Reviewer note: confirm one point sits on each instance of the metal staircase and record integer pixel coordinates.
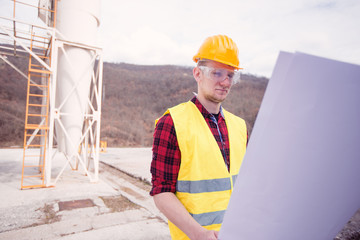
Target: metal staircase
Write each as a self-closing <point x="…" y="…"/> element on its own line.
<point x="37" y="114"/>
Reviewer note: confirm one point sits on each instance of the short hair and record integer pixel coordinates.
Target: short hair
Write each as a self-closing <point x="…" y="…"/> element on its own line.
<point x="202" y="62"/>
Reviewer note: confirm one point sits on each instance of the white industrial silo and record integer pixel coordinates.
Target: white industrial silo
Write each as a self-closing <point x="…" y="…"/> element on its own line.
<point x="64" y="78"/>
<point x="77" y="21"/>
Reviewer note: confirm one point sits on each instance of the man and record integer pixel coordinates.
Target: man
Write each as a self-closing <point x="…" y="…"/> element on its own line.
<point x="199" y="146"/>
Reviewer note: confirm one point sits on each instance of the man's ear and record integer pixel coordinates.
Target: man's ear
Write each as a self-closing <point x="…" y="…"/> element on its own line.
<point x="196" y="74"/>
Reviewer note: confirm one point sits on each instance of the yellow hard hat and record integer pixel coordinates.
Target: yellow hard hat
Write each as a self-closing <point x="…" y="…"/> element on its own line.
<point x="219" y="48"/>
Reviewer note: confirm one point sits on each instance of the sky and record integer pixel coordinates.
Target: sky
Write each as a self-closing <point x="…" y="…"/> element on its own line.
<point x="171" y="31"/>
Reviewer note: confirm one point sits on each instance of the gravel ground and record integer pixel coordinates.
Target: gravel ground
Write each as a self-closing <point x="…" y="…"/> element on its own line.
<point x="19" y="217"/>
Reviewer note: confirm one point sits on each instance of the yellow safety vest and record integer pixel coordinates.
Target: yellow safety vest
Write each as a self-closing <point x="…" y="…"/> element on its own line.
<point x="204" y="184"/>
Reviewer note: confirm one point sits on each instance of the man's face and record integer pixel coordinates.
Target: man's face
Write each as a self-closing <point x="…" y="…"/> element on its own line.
<point x="214" y="81"/>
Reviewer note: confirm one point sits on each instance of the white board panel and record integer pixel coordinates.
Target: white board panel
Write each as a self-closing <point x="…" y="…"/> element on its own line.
<point x="301" y="174"/>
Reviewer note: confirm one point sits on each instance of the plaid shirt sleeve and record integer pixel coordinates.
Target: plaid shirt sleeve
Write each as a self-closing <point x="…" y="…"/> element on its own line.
<point x="166" y="158"/>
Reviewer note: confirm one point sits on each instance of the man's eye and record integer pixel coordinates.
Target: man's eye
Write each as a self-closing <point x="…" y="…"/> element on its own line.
<point x="231" y="75"/>
<point x="217" y="73"/>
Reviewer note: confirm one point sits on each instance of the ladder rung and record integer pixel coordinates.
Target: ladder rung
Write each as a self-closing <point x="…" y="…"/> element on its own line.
<point x="38" y="85"/>
<point x="33" y="186"/>
<point x="37" y="46"/>
<point x="36" y="115"/>
<point x="37" y="135"/>
<point x="36" y="65"/>
<point x="33" y="166"/>
<point x="36" y="75"/>
<point x="34" y="36"/>
<point x="34" y="126"/>
<point x="37" y="40"/>
<point x="36" y="105"/>
<point x="36" y="95"/>
<point x="39" y="71"/>
<point x="32" y="176"/>
<point x="35" y="145"/>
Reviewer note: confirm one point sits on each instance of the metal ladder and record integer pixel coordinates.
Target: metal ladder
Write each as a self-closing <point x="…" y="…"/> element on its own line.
<point x="37" y="114"/>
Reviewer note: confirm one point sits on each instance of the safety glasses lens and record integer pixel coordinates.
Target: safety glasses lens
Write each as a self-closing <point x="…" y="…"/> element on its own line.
<point x="219" y="74"/>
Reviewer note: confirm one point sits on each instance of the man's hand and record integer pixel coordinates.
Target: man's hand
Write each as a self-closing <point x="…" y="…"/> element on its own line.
<point x="205" y="234"/>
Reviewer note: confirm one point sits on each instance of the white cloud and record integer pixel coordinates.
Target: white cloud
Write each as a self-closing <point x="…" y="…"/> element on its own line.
<point x="169" y="32"/>
<point x="146" y="46"/>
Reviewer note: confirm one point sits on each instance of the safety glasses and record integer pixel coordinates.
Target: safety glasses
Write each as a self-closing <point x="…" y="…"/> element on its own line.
<point x="220" y="74"/>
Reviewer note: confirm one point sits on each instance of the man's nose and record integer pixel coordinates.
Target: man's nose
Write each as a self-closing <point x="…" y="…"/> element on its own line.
<point x="227" y="81"/>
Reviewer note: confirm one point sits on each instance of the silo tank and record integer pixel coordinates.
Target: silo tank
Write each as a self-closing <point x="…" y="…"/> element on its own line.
<point x="77" y="21"/>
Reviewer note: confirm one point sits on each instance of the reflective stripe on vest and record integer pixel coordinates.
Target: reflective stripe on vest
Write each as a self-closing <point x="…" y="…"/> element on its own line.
<point x="209" y="218"/>
<point x="201" y="186"/>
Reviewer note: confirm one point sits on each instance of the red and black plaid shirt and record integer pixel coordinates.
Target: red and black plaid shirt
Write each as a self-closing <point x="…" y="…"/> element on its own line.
<point x="166" y="159"/>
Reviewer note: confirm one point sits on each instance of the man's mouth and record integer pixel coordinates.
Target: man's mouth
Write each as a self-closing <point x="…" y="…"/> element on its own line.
<point x="223" y="90"/>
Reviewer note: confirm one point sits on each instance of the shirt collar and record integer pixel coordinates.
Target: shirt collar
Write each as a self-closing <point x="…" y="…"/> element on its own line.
<point x="203" y="110"/>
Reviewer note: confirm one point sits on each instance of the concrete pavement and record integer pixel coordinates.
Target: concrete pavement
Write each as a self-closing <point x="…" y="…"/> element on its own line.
<point x="135" y="161"/>
<point x="116" y="207"/>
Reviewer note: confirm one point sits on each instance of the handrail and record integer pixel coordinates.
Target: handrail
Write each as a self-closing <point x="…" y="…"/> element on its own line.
<point x="30" y="24"/>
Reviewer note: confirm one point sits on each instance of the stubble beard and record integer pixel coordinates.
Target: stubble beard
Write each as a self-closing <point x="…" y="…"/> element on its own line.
<point x="214" y="99"/>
